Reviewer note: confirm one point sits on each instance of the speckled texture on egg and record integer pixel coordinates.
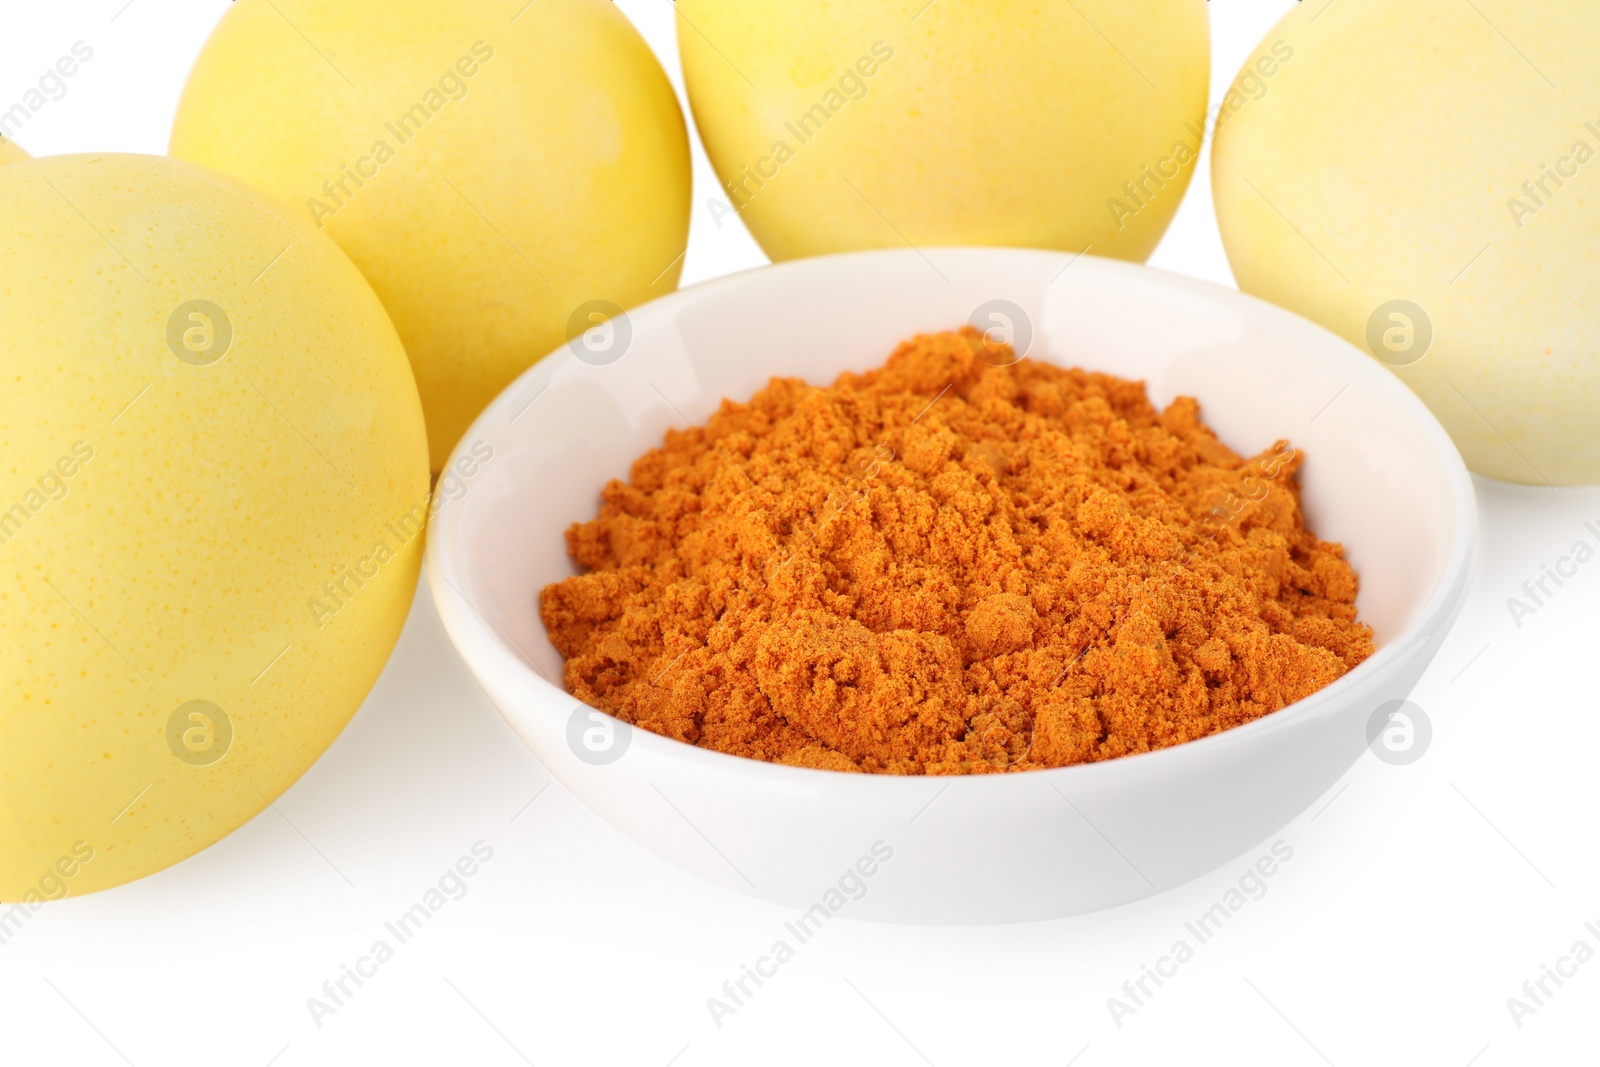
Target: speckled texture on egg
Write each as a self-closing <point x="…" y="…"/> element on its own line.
<point x="205" y="416"/>
<point x="491" y="166"/>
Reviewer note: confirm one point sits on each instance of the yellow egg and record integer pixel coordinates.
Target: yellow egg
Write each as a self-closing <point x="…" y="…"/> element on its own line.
<point x="213" y="478"/>
<point x="10" y="152"/>
<point x="1424" y="179"/>
<point x="888" y="123"/>
<point x="498" y="169"/>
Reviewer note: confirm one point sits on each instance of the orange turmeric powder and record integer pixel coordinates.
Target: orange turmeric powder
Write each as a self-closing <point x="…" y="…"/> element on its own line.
<point x="956" y="563"/>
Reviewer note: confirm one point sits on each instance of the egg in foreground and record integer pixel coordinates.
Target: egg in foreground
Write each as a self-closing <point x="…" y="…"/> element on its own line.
<point x="213" y="483"/>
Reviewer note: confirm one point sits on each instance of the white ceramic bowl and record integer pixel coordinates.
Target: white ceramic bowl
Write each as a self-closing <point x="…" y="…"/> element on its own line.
<point x="1380" y="476"/>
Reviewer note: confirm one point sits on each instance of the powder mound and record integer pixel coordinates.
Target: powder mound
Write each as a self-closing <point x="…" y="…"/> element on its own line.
<point x="1003" y="622"/>
<point x="953" y="564"/>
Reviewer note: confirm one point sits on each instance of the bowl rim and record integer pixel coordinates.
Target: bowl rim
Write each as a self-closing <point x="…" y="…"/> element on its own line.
<point x="477" y="640"/>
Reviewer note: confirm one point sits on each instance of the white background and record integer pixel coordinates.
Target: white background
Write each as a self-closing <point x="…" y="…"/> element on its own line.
<point x="1418" y="898"/>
